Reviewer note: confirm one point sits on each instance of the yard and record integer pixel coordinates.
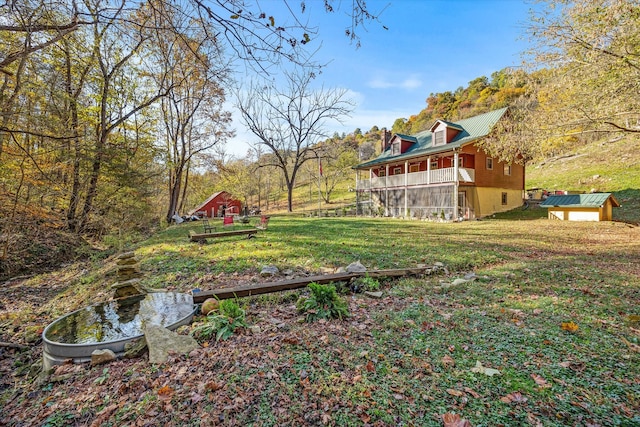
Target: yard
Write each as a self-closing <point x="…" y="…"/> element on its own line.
<point x="547" y="333"/>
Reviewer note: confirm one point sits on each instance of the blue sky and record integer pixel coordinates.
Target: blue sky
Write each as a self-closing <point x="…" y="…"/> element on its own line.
<point x="430" y="46"/>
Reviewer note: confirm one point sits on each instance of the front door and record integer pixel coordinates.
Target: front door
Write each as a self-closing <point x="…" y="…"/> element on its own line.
<point x="463" y="211"/>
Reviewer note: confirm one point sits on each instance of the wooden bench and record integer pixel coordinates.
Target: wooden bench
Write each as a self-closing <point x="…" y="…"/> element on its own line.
<point x="201" y="237"/>
<point x="208" y="228"/>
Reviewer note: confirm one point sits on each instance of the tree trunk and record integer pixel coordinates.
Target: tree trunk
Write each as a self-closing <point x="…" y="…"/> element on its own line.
<point x="74" y="196"/>
<point x="174" y="193"/>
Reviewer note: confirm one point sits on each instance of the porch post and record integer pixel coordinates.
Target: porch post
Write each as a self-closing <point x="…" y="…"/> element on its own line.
<point x="370" y="191"/>
<point x="357" y="198"/>
<point x="406" y="184"/>
<point x="386" y="190"/>
<point x="456" y="183"/>
<point x="428" y="170"/>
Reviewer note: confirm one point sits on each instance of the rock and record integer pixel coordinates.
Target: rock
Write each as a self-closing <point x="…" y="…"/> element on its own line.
<point x="60" y="378"/>
<point x="128" y="270"/>
<point x="127" y="255"/>
<point x="32" y="334"/>
<point x="356" y="267"/>
<point x="209" y="305"/>
<point x="438" y="264"/>
<point x="371" y="294"/>
<point x="459" y="282"/>
<point x="255" y="329"/>
<point x="127" y="261"/>
<point x="470" y="276"/>
<point x="135" y="349"/>
<point x="98" y="357"/>
<point x="128" y="288"/>
<point x="161" y="341"/>
<point x="269" y="270"/>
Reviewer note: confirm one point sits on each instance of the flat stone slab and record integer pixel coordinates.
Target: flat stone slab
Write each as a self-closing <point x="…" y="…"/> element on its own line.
<point x="161" y="341"/>
<point x="98" y="357"/>
<point x="356" y="267"/>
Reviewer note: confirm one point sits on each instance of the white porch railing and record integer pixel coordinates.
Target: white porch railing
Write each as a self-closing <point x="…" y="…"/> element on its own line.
<point x="435" y="176"/>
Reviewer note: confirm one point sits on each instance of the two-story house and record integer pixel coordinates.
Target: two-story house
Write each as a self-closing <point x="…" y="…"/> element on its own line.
<point x="440" y="174"/>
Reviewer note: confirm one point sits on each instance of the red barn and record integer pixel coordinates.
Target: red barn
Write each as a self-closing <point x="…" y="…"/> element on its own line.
<point x="212" y="207"/>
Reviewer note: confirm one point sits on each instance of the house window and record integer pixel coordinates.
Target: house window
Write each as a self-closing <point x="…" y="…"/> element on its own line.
<point x="438" y="137"/>
<point x="504" y="198"/>
<point x="434" y="164"/>
<point x="395" y="148"/>
<point x="489" y="163"/>
<point x="382" y="172"/>
<point x="397" y="170"/>
<point x="507" y="169"/>
<point x="414" y="168"/>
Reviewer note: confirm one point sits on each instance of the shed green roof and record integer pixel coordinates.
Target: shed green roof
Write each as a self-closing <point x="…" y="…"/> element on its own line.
<point x="591" y="200"/>
<point x="471" y="129"/>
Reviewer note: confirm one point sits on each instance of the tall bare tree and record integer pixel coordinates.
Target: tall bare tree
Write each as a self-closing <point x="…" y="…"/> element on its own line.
<point x="290" y="122"/>
<point x="193" y="69"/>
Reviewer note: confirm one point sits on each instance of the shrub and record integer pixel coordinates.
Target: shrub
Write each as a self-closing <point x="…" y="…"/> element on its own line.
<point x="323" y="303"/>
<point x="365" y="283"/>
<point x="222" y="323"/>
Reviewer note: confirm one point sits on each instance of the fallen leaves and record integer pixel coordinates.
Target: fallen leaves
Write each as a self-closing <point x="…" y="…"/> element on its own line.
<point x="484" y="370"/>
<point x="540" y="382"/>
<point x="370" y="367"/>
<point x="165" y="393"/>
<point x="515" y="397"/>
<point x="569" y="327"/>
<point x="472" y="392"/>
<point x="213" y="386"/>
<point x="454" y="420"/>
<point x="448" y="361"/>
<point x="456" y="393"/>
<point x="632" y="346"/>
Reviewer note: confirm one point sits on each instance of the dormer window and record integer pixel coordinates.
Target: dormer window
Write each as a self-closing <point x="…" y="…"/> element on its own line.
<point x="438" y="137"/>
<point x="395" y="148"/>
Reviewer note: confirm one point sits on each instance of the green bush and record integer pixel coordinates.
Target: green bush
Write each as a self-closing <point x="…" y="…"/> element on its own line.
<point x="222" y="323"/>
<point x="323" y="303"/>
<point x="365" y="283"/>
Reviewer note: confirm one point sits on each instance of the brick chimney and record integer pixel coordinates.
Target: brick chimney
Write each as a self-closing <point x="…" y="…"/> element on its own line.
<point x="386" y="138"/>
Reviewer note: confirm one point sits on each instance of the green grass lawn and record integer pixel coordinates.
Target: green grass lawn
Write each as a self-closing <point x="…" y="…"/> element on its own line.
<point x="553" y="308"/>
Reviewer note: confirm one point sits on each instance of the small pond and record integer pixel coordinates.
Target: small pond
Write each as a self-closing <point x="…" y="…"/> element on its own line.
<point x="112" y="324"/>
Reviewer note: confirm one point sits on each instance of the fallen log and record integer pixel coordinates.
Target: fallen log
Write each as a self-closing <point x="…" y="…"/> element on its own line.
<point x="13" y="345"/>
<point x="286" y="285"/>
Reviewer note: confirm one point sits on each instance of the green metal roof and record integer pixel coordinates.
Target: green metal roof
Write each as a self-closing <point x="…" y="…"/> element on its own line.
<point x="592" y="200"/>
<point x="407" y="137"/>
<point x="449" y="124"/>
<point x="472" y="129"/>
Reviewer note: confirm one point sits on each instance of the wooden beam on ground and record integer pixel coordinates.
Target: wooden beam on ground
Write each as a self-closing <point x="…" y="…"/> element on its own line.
<point x="285" y="285"/>
<point x="195" y="237"/>
<point x="12" y="345"/>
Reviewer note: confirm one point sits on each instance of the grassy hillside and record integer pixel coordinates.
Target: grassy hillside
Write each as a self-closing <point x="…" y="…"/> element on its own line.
<point x="554" y="313"/>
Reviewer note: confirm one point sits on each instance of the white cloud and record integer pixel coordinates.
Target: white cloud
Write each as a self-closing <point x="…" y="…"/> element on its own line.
<point x="410" y="82"/>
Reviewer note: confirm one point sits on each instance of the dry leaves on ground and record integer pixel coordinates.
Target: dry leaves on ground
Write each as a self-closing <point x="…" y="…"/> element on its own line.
<point x="454" y="420"/>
